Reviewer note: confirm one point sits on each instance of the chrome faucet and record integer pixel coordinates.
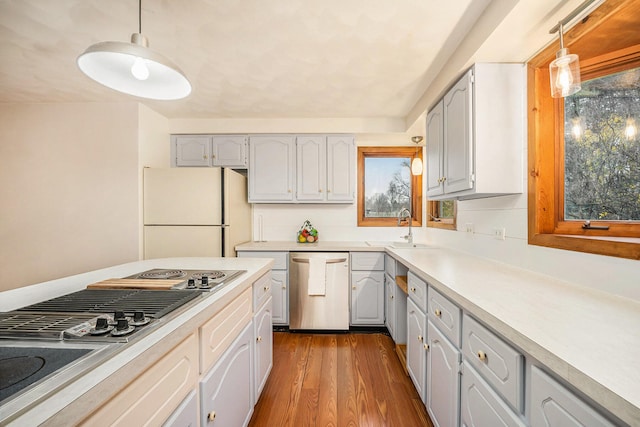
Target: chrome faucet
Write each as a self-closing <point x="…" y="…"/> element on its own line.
<point x="405" y="213"/>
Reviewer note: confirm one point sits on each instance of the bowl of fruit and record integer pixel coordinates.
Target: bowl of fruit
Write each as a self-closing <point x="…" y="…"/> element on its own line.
<point x="307" y="233"/>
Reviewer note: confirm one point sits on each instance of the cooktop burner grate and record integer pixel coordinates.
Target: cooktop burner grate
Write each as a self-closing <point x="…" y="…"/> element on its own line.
<point x="212" y="275"/>
<point x="41" y="325"/>
<point x="153" y="303"/>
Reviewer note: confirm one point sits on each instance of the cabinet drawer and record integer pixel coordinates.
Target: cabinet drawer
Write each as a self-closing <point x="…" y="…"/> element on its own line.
<point x="367" y="261"/>
<point x="497" y="362"/>
<point x="152" y="397"/>
<point x="261" y="291"/>
<point x="445" y="315"/>
<point x="480" y="406"/>
<point x="390" y="265"/>
<point x="280" y="259"/>
<point x="219" y="332"/>
<point x="552" y="404"/>
<point x="417" y="290"/>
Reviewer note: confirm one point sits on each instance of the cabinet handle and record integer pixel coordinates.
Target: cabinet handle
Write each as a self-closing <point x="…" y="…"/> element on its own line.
<point x="437" y="312"/>
<point x="320" y="190"/>
<point x="420" y="338"/>
<point x="444" y="178"/>
<point x="266" y="288"/>
<point x="328" y="191"/>
<point x="204" y="157"/>
<point x="213" y="156"/>
<point x="211" y="416"/>
<point x="284" y="287"/>
<point x="392" y="296"/>
<point x="354" y="288"/>
<point x="482" y="355"/>
<point x="413" y="289"/>
<point x="259" y="339"/>
<point x="426" y="347"/>
<point x="289" y="191"/>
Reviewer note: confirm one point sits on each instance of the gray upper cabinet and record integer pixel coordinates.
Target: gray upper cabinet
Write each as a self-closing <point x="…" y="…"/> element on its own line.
<point x="341" y="163"/>
<point x="271" y="168"/>
<point x="476" y="135"/>
<point x="311" y="168"/>
<point x="209" y="150"/>
<point x="229" y="151"/>
<point x="192" y="150"/>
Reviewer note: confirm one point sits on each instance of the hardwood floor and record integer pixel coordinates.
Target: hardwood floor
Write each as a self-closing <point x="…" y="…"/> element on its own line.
<point x="337" y="380"/>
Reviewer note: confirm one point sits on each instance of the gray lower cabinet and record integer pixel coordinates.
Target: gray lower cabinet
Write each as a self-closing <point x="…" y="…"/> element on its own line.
<point x="390" y="305"/>
<point x="552" y="405"/>
<point x="367" y="298"/>
<point x="480" y="405"/>
<point x="263" y="354"/>
<point x="226" y="395"/>
<point x="416" y="347"/>
<point x="443" y="379"/>
<point x="279" y="282"/>
<point x="186" y="415"/>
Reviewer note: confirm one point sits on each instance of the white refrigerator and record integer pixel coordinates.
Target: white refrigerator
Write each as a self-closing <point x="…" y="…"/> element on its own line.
<point x="194" y="212"/>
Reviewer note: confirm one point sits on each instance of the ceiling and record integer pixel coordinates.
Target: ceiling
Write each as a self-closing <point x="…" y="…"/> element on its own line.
<point x="254" y="58"/>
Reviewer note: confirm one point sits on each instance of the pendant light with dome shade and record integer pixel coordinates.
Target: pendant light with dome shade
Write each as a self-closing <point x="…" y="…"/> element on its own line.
<point x="416" y="163"/>
<point x="134" y="69"/>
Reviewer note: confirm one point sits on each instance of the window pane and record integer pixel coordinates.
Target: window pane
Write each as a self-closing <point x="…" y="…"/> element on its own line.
<point x="387" y="186"/>
<point x="602" y="149"/>
<point x="446" y="209"/>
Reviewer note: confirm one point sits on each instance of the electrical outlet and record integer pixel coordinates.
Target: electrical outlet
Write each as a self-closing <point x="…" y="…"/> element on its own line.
<point x="499" y="233"/>
<point x="469" y="227"/>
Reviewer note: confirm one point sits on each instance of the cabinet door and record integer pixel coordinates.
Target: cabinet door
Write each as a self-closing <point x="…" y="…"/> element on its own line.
<point x="263" y="347"/>
<point x="434" y="148"/>
<point x="480" y="406"/>
<point x="552" y="405"/>
<point x="226" y="391"/>
<point x="187" y="413"/>
<point x="443" y="381"/>
<point x="367" y="298"/>
<point x="229" y="150"/>
<point x="311" y="168"/>
<point x="193" y="150"/>
<point x="340" y="169"/>
<point x="458" y="143"/>
<point x="280" y="293"/>
<point x="390" y="305"/>
<point x="416" y="352"/>
<point x="271" y="174"/>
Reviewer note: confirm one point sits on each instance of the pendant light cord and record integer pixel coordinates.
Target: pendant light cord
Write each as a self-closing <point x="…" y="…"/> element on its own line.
<point x="140" y="16"/>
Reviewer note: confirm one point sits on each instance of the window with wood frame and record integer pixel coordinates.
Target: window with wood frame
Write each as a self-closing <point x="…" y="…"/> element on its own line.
<point x="442" y="214"/>
<point x="584" y="150"/>
<point x="386" y="186"/>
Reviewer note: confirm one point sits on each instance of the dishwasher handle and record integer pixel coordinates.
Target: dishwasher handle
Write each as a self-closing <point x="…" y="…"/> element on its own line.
<point x="328" y="261"/>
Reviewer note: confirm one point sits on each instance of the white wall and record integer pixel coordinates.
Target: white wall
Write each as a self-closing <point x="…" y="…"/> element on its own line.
<point x="68" y="176"/>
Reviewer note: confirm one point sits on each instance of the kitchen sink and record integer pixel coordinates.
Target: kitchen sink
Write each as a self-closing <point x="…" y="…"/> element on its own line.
<point x="401" y="245"/>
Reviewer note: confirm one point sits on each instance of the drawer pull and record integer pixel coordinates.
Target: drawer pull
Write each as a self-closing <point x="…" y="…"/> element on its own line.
<point x="426" y="347"/>
<point x="266" y="288"/>
<point x="482" y="355"/>
<point x="420" y="338"/>
<point x="438" y="313"/>
<point x="391" y="296"/>
<point x="259" y="339"/>
<point x="211" y="416"/>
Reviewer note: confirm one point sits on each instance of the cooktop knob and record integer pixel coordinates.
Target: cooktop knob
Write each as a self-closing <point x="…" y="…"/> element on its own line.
<point x="205" y="282"/>
<point x="122" y="325"/>
<point x="122" y="328"/>
<point x="118" y="315"/>
<point x="191" y="284"/>
<point x="102" y="323"/>
<point x="139" y="319"/>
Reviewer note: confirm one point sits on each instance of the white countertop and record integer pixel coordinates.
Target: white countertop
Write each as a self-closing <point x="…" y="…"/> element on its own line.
<point x="320" y="246"/>
<point x="589" y="338"/>
<point x="69" y="405"/>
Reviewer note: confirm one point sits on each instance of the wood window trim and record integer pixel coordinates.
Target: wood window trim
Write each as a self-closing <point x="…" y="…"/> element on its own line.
<point x="599" y="54"/>
<point x="416" y="184"/>
<point x="433" y="210"/>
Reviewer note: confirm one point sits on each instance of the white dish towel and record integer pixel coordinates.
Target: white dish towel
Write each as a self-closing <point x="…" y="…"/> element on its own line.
<point x="317" y="276"/>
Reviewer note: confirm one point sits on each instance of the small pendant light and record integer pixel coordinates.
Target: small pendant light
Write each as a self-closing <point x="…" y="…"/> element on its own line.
<point x="564" y="71"/>
<point x="416" y="163"/>
<point x="134" y="69"/>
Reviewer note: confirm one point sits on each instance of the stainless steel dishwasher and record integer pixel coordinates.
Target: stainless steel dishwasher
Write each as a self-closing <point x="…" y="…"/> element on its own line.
<point x="321" y="300"/>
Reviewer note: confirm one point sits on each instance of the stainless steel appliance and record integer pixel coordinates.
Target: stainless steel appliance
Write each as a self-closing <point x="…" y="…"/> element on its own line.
<point x="194" y="212"/>
<point x="319" y="290"/>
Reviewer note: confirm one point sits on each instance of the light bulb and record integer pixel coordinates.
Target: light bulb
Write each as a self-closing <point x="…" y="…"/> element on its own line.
<point x="416" y="166"/>
<point x="576" y="128"/>
<point x="139" y="69"/>
<point x="564" y="80"/>
<point x="630" y="131"/>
